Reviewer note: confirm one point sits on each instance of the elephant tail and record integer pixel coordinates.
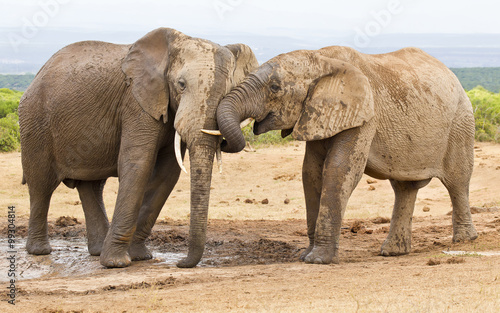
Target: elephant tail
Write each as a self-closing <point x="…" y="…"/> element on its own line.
<point x="23" y="182"/>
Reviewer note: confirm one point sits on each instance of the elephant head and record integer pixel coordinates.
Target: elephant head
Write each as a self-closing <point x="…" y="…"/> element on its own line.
<point x="301" y="93"/>
<point x="174" y="76"/>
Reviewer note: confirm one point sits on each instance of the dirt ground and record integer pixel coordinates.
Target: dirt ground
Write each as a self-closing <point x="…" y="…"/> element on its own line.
<point x="256" y="233"/>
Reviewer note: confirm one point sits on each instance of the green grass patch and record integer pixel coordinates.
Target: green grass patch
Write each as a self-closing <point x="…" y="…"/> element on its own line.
<point x="271" y="138"/>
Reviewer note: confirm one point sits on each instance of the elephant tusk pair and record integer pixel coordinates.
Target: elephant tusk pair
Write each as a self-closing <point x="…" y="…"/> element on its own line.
<point x="217" y="132"/>
<point x="178" y="155"/>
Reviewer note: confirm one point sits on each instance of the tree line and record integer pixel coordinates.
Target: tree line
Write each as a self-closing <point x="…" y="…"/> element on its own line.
<point x="488" y="77"/>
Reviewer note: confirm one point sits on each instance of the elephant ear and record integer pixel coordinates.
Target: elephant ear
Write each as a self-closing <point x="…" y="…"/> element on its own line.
<point x="335" y="102"/>
<point x="145" y="67"/>
<point x="246" y="62"/>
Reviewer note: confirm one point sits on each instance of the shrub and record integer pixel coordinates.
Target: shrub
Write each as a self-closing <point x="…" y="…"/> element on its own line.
<point x="9" y="132"/>
<point x="9" y="119"/>
<point x="486" y="106"/>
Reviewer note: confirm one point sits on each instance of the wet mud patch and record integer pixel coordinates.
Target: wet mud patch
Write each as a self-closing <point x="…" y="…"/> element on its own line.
<point x="232" y="243"/>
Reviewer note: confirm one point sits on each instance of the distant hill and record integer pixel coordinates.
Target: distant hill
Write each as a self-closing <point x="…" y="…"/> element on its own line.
<point x="488" y="77"/>
<point x="16" y="82"/>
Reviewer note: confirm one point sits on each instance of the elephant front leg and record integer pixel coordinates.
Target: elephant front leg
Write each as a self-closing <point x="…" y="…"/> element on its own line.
<point x="134" y="172"/>
<point x="312" y="181"/>
<point x="160" y="186"/>
<point x="345" y="161"/>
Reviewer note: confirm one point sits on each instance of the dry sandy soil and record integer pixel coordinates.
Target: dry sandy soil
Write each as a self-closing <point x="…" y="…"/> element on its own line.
<point x="251" y="259"/>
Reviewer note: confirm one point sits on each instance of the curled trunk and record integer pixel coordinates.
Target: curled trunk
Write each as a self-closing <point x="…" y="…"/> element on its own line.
<point x="241" y="103"/>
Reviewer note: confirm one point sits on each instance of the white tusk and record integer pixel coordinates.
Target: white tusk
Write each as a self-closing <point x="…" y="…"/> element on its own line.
<point x="217" y="132"/>
<point x="246" y="122"/>
<point x="218" y="155"/>
<point x="212" y="132"/>
<point x="177" y="148"/>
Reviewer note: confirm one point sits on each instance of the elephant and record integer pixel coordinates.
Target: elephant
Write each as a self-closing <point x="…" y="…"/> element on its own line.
<point x="401" y="116"/>
<point x="97" y="110"/>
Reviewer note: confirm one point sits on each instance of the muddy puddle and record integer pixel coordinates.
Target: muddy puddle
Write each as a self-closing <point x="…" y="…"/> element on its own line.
<point x="69" y="257"/>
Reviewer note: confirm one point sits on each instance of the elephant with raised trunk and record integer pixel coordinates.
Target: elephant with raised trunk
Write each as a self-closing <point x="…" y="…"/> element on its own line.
<point x="401" y="116"/>
<point x="98" y="109"/>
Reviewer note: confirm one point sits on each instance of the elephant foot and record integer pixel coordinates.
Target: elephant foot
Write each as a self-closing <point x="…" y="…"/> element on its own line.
<point x="38" y="247"/>
<point x="396" y="245"/>
<point x="95" y="248"/>
<point x="464" y="232"/>
<point x="139" y="252"/>
<point x="322" y="255"/>
<point x="115" y="259"/>
<point x="305" y="253"/>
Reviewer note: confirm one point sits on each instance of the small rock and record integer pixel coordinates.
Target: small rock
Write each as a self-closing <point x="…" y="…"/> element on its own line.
<point x="287" y="201"/>
<point x="371" y="188"/>
<point x="371" y="181"/>
<point x="455" y="260"/>
<point x="265" y="201"/>
<point x="248" y="201"/>
<point x="381" y="220"/>
<point x="433" y="262"/>
<point x="426" y="209"/>
<point x="65" y="221"/>
<point x="358" y="227"/>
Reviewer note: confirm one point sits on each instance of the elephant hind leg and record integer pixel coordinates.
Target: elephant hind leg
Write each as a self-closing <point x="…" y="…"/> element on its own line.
<point x="40" y="194"/>
<point x="96" y="219"/>
<point x="398" y="241"/>
<point x="458" y="166"/>
<point x="463" y="228"/>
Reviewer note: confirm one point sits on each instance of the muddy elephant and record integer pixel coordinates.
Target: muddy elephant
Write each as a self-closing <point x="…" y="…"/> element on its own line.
<point x="97" y="110"/>
<point x="401" y="116"/>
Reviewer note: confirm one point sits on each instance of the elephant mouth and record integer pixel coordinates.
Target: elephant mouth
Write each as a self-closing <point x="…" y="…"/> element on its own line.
<point x="264" y="125"/>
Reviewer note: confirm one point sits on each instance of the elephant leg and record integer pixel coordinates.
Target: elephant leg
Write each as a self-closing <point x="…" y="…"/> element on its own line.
<point x="463" y="228"/>
<point x="135" y="167"/>
<point x="458" y="165"/>
<point x="343" y="168"/>
<point x="96" y="219"/>
<point x="398" y="241"/>
<point x="161" y="184"/>
<point x="312" y="181"/>
<point x="40" y="194"/>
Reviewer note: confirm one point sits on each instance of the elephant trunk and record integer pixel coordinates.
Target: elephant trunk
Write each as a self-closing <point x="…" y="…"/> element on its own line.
<point x="201" y="157"/>
<point x="241" y="103"/>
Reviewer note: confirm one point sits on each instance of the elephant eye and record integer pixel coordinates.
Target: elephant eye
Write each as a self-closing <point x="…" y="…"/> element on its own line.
<point x="182" y="84"/>
<point x="275" y="88"/>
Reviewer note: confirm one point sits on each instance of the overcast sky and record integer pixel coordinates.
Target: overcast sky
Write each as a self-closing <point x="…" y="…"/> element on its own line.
<point x="282" y="17"/>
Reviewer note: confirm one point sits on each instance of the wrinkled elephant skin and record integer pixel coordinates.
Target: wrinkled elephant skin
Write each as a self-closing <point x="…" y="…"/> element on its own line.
<point x="401" y="116"/>
<point x="97" y="110"/>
